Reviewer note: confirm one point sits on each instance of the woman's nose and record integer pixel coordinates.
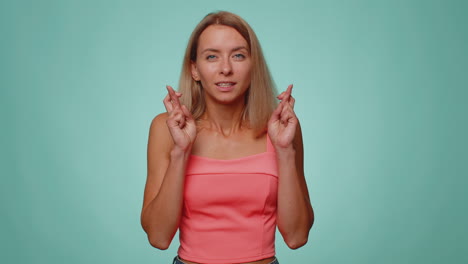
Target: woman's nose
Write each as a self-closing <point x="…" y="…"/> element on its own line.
<point x="226" y="67"/>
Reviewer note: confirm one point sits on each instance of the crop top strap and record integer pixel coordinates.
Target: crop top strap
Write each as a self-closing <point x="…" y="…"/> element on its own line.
<point x="270" y="147"/>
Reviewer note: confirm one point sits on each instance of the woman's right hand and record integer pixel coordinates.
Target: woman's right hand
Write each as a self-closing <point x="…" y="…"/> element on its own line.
<point x="180" y="121"/>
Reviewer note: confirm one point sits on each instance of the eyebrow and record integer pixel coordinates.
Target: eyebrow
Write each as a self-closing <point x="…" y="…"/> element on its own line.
<point x="216" y="50"/>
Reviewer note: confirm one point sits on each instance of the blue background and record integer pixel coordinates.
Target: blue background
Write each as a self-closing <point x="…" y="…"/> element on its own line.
<point x="381" y="90"/>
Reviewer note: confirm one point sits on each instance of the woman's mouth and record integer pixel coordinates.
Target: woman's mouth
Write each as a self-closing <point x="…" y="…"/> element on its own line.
<point x="225" y="86"/>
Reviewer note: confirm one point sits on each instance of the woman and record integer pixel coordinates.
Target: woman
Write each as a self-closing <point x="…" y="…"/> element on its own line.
<point x="225" y="163"/>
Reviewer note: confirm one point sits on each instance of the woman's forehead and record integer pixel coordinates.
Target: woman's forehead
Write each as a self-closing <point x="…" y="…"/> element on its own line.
<point x="221" y="37"/>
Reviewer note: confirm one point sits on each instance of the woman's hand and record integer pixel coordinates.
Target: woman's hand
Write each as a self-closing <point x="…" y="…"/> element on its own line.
<point x="283" y="121"/>
<point x="180" y="121"/>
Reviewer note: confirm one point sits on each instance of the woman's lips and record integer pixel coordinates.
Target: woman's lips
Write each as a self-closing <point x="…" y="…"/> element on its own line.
<point x="225" y="86"/>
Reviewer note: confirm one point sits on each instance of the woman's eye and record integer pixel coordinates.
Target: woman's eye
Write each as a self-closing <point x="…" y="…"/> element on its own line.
<point x="239" y="56"/>
<point x="210" y="57"/>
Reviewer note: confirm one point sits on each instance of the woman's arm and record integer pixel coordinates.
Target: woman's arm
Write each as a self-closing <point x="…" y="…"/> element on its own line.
<point x="294" y="213"/>
<point x="169" y="146"/>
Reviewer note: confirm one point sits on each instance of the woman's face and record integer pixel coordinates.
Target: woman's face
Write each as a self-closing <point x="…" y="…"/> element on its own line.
<point x="223" y="64"/>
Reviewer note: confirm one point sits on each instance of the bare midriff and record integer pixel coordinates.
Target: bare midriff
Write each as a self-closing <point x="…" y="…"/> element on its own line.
<point x="263" y="261"/>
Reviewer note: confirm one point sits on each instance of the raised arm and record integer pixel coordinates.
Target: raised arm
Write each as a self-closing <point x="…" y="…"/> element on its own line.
<point x="295" y="215"/>
<point x="169" y="146"/>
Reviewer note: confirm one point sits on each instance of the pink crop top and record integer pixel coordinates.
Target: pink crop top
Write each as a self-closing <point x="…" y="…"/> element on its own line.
<point x="229" y="213"/>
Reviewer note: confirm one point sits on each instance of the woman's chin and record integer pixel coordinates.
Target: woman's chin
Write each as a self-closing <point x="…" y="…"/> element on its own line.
<point x="229" y="99"/>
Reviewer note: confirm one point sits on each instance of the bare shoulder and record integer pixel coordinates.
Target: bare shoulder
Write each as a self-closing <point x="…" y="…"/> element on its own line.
<point x="299" y="147"/>
<point x="159" y="146"/>
<point x="298" y="142"/>
<point x="159" y="120"/>
<point x="159" y="135"/>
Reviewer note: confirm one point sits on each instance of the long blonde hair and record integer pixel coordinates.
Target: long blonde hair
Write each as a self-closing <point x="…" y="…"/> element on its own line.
<point x="260" y="97"/>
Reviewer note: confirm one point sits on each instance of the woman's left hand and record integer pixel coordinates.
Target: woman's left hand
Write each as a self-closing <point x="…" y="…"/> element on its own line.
<point x="283" y="121"/>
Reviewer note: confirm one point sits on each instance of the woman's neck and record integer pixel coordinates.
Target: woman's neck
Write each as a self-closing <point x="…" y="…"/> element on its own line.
<point x="224" y="119"/>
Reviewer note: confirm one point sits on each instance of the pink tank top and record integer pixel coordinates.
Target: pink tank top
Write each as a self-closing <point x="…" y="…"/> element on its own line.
<point x="229" y="213"/>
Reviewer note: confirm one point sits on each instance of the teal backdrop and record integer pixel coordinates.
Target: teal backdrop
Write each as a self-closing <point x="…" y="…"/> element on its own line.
<point x="381" y="90"/>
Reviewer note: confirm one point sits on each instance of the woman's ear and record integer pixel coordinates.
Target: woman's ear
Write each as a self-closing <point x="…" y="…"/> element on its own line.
<point x="195" y="76"/>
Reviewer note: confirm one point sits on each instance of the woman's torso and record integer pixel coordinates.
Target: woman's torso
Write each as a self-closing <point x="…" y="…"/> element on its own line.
<point x="263" y="261"/>
<point x="253" y="163"/>
<point x="216" y="145"/>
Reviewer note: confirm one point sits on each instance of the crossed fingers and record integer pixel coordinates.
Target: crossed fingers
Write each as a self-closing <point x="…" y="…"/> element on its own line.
<point x="286" y="97"/>
<point x="287" y="106"/>
<point x="171" y="101"/>
<point x="178" y="113"/>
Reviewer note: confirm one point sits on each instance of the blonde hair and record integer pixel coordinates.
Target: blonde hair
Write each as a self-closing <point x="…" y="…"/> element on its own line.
<point x="260" y="97"/>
